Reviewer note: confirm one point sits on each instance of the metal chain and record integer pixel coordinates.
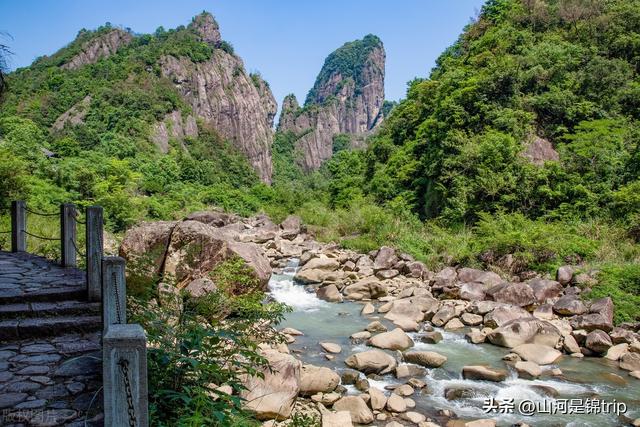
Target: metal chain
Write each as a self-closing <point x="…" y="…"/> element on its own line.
<point x="76" y="214"/>
<point x="5" y="232"/>
<point x="73" y="242"/>
<point x="40" y="237"/>
<point x="124" y="367"/>
<point x="114" y="280"/>
<point x="42" y="213"/>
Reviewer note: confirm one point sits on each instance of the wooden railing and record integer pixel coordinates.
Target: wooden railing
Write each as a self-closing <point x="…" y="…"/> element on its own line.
<point x="124" y="346"/>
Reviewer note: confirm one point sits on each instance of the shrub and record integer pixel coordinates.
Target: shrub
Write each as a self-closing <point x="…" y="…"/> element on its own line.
<point x="196" y="345"/>
<point x="622" y="283"/>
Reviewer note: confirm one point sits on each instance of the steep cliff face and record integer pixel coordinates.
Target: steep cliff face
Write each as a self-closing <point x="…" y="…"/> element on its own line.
<point x="347" y="98"/>
<point x="239" y="106"/>
<point x="100" y="47"/>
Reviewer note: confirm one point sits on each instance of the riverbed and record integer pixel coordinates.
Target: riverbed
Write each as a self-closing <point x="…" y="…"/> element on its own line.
<point x="585" y="379"/>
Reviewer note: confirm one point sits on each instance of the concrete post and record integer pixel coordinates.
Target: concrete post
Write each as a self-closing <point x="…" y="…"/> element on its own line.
<point x="94" y="250"/>
<point x="124" y="373"/>
<point x="18" y="226"/>
<point x="113" y="293"/>
<point x="68" y="235"/>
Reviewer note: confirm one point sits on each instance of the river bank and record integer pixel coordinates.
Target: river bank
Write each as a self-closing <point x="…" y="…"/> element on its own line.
<point x="401" y="343"/>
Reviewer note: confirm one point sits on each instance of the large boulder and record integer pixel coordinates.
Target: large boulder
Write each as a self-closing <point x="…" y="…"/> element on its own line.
<point x="393" y="340"/>
<point x="273" y="395"/>
<point x="372" y="362"/>
<point x="144" y="247"/>
<point x="590" y="322"/>
<point x="598" y="341"/>
<point x="385" y="259"/>
<point x="486" y="278"/>
<point x="396" y="403"/>
<point x="356" y="407"/>
<point x="443" y="315"/>
<point x="378" y="399"/>
<point x="316" y="379"/>
<point x="196" y="248"/>
<point x="569" y="305"/>
<point x="445" y="278"/>
<point x="200" y="287"/>
<point x="404" y="309"/>
<point x="504" y="314"/>
<point x="537" y="353"/>
<point x="630" y="362"/>
<point x="472" y="291"/>
<point x="291" y="227"/>
<point x="416" y="269"/>
<point x="478" y="372"/>
<point x="528" y="370"/>
<point x="369" y="287"/>
<point x="519" y="294"/>
<point x="603" y="307"/>
<point x="564" y="274"/>
<point x="524" y="331"/>
<point x="329" y="293"/>
<point x="429" y="359"/>
<point x="254" y="257"/>
<point x="544" y="289"/>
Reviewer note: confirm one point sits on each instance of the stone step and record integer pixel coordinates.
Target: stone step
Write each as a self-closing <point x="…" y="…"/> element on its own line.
<point x="38" y="327"/>
<point x="45" y="294"/>
<point x="49" y="309"/>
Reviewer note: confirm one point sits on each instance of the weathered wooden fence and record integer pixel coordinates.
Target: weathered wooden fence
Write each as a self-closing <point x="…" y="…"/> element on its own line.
<point x="124" y="346"/>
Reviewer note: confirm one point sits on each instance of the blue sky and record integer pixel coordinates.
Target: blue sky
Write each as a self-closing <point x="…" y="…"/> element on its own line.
<point x="286" y="40"/>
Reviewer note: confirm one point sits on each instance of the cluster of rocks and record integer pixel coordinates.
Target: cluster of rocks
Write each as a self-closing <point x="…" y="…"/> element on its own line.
<point x="51" y="381"/>
<point x="548" y="315"/>
<point x="539" y="319"/>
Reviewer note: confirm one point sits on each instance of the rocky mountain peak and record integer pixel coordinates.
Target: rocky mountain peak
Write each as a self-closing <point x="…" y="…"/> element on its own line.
<point x="206" y="27"/>
<point x="290" y="102"/>
<point x="237" y="104"/>
<point x="347" y="98"/>
<point x="354" y="64"/>
<point x="99" y="47"/>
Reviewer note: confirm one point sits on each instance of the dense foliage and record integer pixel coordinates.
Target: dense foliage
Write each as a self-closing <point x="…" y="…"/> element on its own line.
<point x="448" y="177"/>
<point x="562" y="70"/>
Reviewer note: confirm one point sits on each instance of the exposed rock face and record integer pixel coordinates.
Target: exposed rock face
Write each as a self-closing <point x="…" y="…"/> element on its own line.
<point x="99" y="47"/>
<point x="173" y="126"/>
<point x="239" y="106"/>
<point x="74" y="115"/>
<point x="347" y="98"/>
<point x="207" y="28"/>
<point x="539" y="150"/>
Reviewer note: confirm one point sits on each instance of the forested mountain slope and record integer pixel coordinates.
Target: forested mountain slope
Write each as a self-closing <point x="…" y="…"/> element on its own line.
<point x="145" y="125"/>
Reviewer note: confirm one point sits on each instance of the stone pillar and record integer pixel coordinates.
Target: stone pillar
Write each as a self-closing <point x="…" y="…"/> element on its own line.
<point x="94" y="248"/>
<point x="124" y="370"/>
<point x="114" y="309"/>
<point x="68" y="235"/>
<point x="18" y="226"/>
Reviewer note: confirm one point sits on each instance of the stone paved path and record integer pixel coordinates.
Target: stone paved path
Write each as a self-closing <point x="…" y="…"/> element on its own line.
<point x="50" y="367"/>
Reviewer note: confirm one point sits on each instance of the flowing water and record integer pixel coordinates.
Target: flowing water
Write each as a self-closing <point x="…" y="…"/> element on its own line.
<point x="592" y="378"/>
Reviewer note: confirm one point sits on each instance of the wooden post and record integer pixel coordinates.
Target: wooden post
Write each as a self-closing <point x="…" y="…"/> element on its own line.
<point x="113" y="292"/>
<point x="94" y="252"/>
<point x="18" y="226"/>
<point x="68" y="235"/>
<point x="124" y="376"/>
